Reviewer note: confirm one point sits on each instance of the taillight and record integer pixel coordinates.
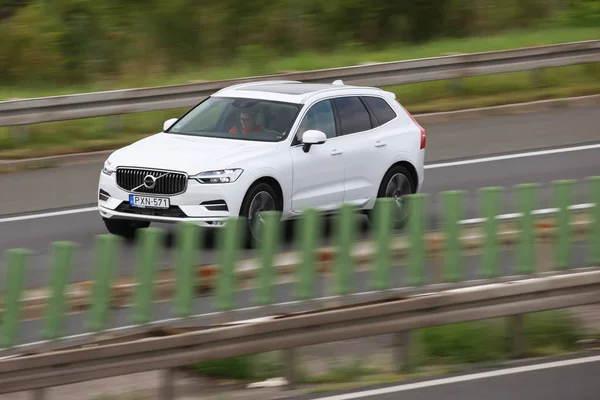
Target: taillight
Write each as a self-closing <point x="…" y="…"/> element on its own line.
<point x="423" y="135"/>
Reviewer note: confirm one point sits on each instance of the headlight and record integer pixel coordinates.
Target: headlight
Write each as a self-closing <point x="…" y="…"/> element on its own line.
<point x="108" y="168"/>
<point x="220" y="176"/>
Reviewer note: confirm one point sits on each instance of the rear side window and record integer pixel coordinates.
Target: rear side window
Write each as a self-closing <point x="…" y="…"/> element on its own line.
<point x="382" y="110"/>
<point x="354" y="117"/>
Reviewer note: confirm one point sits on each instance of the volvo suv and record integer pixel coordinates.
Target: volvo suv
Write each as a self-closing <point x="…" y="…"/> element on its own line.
<point x="266" y="145"/>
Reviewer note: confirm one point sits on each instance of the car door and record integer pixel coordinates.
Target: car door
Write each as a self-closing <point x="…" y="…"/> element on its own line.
<point x="318" y="175"/>
<point x="362" y="156"/>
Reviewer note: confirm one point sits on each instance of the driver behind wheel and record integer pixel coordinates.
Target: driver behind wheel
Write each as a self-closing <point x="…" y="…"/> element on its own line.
<point x="247" y="123"/>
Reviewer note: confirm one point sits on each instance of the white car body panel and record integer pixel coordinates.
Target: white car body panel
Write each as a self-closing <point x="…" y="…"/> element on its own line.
<point x="318" y="179"/>
<point x="347" y="168"/>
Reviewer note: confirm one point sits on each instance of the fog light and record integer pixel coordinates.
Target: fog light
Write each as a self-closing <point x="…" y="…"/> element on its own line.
<point x="103" y="195"/>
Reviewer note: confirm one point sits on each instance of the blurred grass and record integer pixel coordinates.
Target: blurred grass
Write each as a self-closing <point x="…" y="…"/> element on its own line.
<point x="256" y="61"/>
<point x="92" y="134"/>
<point x="546" y="334"/>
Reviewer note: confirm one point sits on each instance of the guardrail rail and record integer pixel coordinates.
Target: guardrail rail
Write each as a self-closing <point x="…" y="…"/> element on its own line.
<point x="98" y="104"/>
<point x="35" y="372"/>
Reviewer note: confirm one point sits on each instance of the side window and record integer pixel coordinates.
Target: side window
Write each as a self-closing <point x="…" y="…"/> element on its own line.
<point x="320" y="117"/>
<point x="382" y="110"/>
<point x="354" y="117"/>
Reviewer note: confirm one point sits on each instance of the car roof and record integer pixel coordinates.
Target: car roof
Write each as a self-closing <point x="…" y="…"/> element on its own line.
<point x="296" y="91"/>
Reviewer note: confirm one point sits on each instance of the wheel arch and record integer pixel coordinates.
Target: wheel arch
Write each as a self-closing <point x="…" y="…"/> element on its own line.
<point x="414" y="176"/>
<point x="274" y="183"/>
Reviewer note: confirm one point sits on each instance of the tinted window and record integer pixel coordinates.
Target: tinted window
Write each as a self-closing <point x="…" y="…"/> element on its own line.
<point x="382" y="110"/>
<point x="320" y="117"/>
<point x="354" y="117"/>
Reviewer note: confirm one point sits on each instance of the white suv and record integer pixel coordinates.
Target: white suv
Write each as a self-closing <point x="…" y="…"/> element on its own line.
<point x="301" y="145"/>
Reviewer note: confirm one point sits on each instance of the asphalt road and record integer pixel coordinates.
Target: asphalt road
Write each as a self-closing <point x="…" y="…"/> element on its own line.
<point x="494" y="134"/>
<point x="77" y="184"/>
<point x="567" y="379"/>
<point x="37" y="234"/>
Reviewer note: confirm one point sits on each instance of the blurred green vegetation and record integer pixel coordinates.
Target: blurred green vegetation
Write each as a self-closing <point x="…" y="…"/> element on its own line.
<point x="57" y="43"/>
<point x="548" y="333"/>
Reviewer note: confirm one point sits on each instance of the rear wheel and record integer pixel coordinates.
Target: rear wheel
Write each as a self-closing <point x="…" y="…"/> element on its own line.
<point x="259" y="199"/>
<point x="124" y="228"/>
<point x="396" y="184"/>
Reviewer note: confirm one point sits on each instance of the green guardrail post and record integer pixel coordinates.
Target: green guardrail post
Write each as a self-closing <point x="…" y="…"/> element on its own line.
<point x="562" y="197"/>
<point x="490" y="205"/>
<point x="62" y="259"/>
<point x="106" y="259"/>
<point x="307" y="239"/>
<point x="268" y="251"/>
<point x="526" y="252"/>
<point x="454" y="205"/>
<point x="383" y="229"/>
<point x="228" y="251"/>
<point x="13" y="287"/>
<point x="189" y="235"/>
<point x="147" y="258"/>
<point x="594" y="238"/>
<point x="416" y="233"/>
<point x="344" y="261"/>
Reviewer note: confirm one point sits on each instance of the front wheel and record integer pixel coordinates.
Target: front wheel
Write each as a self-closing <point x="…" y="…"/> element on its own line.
<point x="124" y="228"/>
<point x="396" y="184"/>
<point x="259" y="199"/>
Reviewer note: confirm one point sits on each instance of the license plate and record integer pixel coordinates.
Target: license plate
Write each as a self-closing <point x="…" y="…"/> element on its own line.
<point x="148" y="202"/>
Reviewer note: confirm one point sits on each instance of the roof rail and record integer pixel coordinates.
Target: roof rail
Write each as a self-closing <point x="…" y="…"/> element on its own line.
<point x="263" y="82"/>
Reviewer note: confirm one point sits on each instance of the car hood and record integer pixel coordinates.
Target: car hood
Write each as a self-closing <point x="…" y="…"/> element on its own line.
<point x="190" y="154"/>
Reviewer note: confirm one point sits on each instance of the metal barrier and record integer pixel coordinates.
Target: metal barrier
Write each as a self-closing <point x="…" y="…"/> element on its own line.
<point x="394" y="314"/>
<point x="58" y="108"/>
<point x="379" y="256"/>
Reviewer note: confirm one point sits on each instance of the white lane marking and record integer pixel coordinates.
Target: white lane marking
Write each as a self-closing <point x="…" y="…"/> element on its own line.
<point x="513" y="156"/>
<point x="49" y="214"/>
<point x="457" y="379"/>
<point x="430" y="166"/>
<point x="543" y="211"/>
<point x="472" y="221"/>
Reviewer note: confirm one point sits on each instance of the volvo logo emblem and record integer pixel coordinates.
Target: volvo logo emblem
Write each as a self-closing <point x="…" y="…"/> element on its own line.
<point x="149" y="181"/>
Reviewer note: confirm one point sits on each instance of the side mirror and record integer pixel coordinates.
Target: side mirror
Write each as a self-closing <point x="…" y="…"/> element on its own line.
<point x="312" y="137"/>
<point x="168" y="123"/>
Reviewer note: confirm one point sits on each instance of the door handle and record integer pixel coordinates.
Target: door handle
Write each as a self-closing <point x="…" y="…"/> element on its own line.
<point x="379" y="143"/>
<point x="335" y="152"/>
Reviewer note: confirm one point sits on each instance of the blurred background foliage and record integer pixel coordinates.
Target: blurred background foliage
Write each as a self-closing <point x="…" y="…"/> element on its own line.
<point x="78" y="41"/>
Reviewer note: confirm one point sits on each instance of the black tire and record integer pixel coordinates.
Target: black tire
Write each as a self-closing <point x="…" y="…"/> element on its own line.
<point x="257" y="193"/>
<point x="124" y="228"/>
<point x="407" y="186"/>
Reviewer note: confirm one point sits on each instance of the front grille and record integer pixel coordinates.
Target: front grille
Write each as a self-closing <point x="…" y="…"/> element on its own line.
<point x="172" y="212"/>
<point x="167" y="183"/>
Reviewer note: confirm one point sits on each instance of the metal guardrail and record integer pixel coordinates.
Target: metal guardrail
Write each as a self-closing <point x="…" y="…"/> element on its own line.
<point x="542" y="241"/>
<point x="57" y="108"/>
<point x="391" y="315"/>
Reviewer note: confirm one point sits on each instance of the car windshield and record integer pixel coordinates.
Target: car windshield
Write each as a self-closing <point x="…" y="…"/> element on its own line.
<point x="238" y="118"/>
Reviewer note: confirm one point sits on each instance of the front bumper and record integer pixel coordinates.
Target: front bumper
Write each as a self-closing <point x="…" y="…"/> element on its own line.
<point x="203" y="204"/>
